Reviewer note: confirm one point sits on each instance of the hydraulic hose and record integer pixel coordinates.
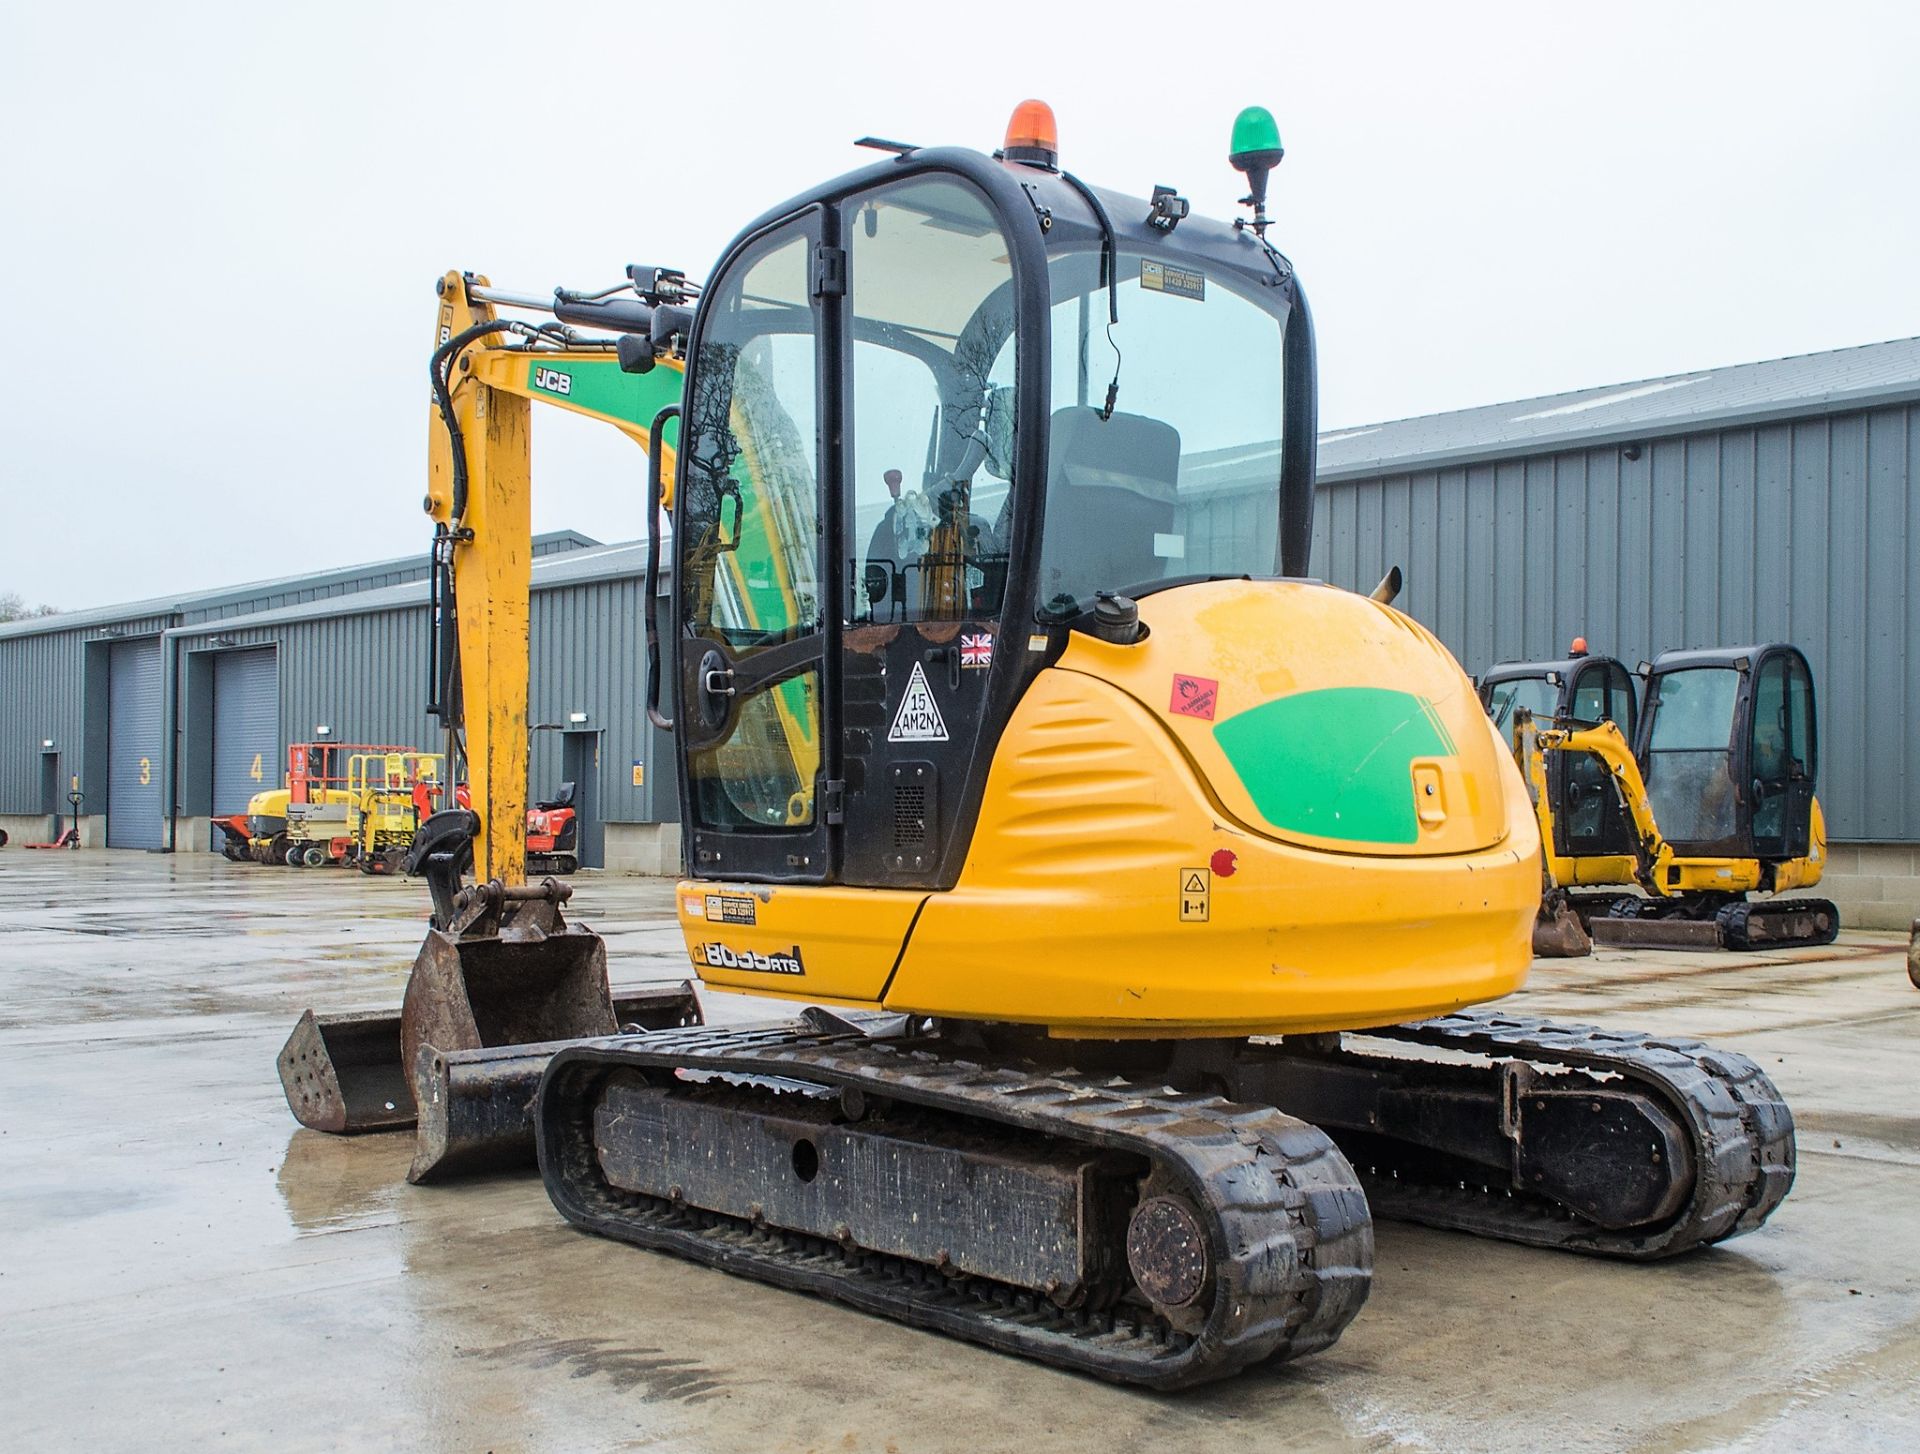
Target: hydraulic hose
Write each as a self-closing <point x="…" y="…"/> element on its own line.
<point x="443" y="396"/>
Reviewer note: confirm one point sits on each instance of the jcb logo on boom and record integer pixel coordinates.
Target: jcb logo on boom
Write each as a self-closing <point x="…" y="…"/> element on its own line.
<point x="718" y="956"/>
<point x="553" y="381"/>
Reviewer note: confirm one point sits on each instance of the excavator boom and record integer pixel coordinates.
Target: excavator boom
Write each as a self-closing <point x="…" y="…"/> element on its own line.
<point x="488" y="373"/>
<point x="501" y="973"/>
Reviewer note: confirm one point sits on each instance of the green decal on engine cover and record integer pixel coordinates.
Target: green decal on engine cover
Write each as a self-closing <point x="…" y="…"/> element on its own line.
<point x="1336" y="763"/>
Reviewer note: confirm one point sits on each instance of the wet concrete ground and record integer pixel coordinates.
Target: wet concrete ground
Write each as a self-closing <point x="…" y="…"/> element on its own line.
<point x="182" y="1267"/>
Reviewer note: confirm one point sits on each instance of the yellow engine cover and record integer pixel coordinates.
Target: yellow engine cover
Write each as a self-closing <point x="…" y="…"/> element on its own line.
<point x="1282" y="811"/>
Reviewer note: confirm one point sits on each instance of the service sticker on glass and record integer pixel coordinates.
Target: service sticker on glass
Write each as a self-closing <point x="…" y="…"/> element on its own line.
<point x="1159" y="277"/>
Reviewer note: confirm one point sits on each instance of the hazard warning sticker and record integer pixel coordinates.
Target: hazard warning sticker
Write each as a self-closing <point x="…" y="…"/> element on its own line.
<point x="1194" y="696"/>
<point x="1196" y="895"/>
<point x="918" y="719"/>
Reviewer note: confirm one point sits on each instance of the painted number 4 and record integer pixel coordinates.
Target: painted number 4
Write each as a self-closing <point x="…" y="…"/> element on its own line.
<point x="257" y="772"/>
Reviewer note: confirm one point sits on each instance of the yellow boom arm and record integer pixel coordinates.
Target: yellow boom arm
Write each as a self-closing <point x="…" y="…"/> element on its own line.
<point x="1654" y="865"/>
<point x="491" y="382"/>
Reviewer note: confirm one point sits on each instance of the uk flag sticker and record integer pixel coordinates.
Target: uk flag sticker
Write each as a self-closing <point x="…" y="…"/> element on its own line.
<point x="976" y="651"/>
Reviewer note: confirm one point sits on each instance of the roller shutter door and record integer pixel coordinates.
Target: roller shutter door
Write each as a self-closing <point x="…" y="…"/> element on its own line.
<point x="134" y="740"/>
<point x="246" y="727"/>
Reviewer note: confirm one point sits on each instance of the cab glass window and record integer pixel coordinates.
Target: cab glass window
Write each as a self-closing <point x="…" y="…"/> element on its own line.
<point x="1164" y="456"/>
<point x="1604" y="693"/>
<point x="747" y="527"/>
<point x="1782" y="722"/>
<point x="1536" y="694"/>
<point x="1689" y="784"/>
<point x="931" y="285"/>
<point x="749" y="505"/>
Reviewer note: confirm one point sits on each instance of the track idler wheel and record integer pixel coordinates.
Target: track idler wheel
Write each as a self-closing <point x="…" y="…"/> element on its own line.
<point x="1168" y="1255"/>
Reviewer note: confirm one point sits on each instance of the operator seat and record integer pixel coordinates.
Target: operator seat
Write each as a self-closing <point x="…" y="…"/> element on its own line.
<point x="1117" y="479"/>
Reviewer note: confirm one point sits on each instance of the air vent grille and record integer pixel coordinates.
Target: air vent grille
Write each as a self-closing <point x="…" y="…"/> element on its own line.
<point x="909" y="815"/>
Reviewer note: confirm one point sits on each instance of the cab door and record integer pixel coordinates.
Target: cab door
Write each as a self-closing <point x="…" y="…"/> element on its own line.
<point x="1780" y="751"/>
<point x="1591" y="821"/>
<point x="751" y="648"/>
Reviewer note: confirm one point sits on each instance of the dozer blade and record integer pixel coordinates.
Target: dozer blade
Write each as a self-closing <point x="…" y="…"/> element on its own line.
<point x="344" y="1074"/>
<point x="1558" y="932"/>
<point x="476" y="1106"/>
<point x="1657" y="933"/>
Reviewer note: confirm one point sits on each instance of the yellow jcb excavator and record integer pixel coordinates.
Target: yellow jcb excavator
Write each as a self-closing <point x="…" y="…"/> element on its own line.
<point x="1702" y="795"/>
<point x="1138" y="887"/>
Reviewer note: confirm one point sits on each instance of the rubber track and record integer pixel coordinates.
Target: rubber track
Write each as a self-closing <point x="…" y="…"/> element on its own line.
<point x="1293" y="1240"/>
<point x="1736" y="923"/>
<point x="1742" y="1135"/>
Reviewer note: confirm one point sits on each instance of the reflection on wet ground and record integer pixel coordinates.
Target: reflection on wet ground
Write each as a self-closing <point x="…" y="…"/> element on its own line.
<point x="182" y="1264"/>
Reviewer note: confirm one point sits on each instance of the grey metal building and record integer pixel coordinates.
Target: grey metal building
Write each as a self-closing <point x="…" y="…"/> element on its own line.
<point x="1763" y="501"/>
<point x="162" y="712"/>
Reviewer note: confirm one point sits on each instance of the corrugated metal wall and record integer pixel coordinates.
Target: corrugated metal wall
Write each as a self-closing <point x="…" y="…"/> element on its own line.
<point x="42" y="684"/>
<point x="365" y="677"/>
<point x="1804" y="532"/>
<point x="589" y="656"/>
<point x="43" y="693"/>
<point x="1801" y="531"/>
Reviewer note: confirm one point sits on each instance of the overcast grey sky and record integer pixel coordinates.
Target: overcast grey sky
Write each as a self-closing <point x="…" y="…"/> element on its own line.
<point x="222" y="223"/>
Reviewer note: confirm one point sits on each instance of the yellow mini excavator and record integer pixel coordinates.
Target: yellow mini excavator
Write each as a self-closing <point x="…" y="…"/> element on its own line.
<point x="1701" y="796"/>
<point x="1138" y="888"/>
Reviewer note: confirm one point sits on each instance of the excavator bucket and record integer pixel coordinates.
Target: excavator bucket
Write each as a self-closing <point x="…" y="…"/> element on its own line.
<point x="500" y="969"/>
<point x="343" y="1073"/>
<point x="1558" y="932"/>
<point x="526" y="979"/>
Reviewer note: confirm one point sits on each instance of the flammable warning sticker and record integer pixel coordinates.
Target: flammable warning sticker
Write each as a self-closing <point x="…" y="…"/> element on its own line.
<point x="731" y="909"/>
<point x="1194" y="696"/>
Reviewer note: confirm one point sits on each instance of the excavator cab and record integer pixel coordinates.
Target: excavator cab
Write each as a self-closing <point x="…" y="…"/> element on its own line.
<point x="1588" y="823"/>
<point x="1729" y="749"/>
<point x="860" y="607"/>
<point x="1582" y="691"/>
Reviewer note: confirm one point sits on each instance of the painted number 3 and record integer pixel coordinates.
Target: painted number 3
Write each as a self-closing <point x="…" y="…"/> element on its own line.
<point x="255" y="772"/>
<point x="146" y="771"/>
